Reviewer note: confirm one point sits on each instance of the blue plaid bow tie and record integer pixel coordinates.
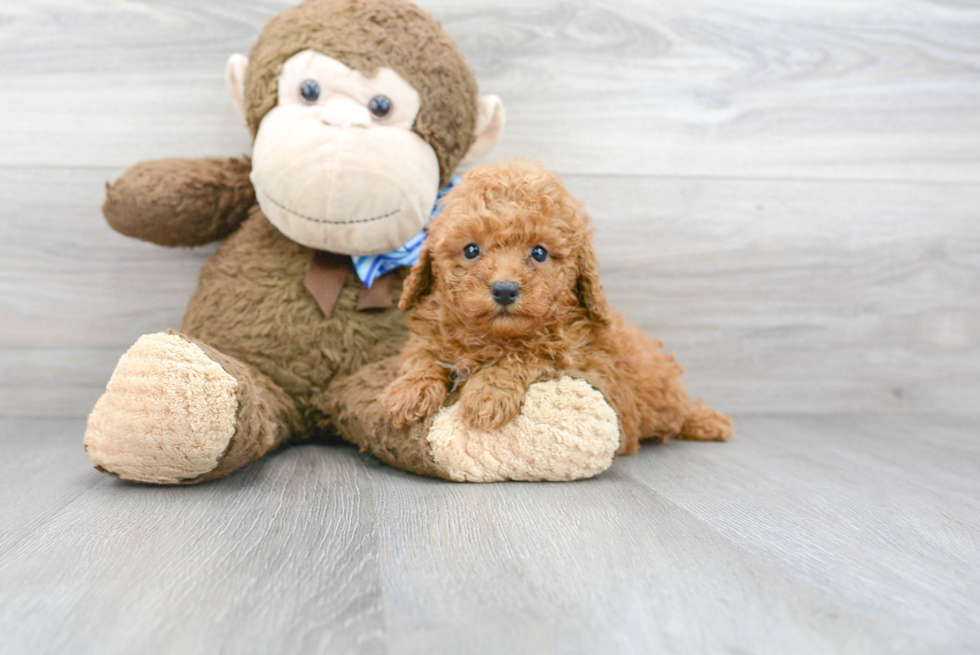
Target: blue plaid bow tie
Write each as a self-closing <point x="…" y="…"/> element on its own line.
<point x="371" y="267"/>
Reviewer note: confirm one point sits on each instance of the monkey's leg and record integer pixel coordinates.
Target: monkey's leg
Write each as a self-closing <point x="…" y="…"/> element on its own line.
<point x="177" y="411"/>
<point x="565" y="431"/>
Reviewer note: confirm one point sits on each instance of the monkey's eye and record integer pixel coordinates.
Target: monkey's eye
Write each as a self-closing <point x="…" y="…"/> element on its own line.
<point x="471" y="251"/>
<point x="539" y="253"/>
<point x="380" y="106"/>
<point x="310" y="90"/>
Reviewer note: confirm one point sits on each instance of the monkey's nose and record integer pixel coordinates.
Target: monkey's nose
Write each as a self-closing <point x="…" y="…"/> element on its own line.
<point x="343" y="113"/>
<point x="504" y="293"/>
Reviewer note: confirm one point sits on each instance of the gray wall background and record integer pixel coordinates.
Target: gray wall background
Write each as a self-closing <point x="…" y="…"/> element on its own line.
<point x="786" y="193"/>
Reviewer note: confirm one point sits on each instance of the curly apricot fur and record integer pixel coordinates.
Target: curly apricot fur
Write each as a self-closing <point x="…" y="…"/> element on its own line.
<point x="560" y="323"/>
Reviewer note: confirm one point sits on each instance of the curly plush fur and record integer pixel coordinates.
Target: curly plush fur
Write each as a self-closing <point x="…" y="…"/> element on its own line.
<point x="560" y="322"/>
<point x="251" y="314"/>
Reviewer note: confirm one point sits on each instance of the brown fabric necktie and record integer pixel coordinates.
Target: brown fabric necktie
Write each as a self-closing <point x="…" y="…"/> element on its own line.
<point x="325" y="280"/>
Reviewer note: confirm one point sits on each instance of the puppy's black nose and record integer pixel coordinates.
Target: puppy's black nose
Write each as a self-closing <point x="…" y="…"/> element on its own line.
<point x="504" y="293"/>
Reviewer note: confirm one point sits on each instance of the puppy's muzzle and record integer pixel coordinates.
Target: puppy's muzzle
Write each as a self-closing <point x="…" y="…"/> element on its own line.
<point x="504" y="293"/>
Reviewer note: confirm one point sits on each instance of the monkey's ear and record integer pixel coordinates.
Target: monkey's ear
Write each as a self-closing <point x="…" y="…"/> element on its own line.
<point x="418" y="284"/>
<point x="235" y="71"/>
<point x="490" y="121"/>
<point x="589" y="288"/>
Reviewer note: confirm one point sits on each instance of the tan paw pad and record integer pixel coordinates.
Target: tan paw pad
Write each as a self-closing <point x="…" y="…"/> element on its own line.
<point x="566" y="431"/>
<point x="167" y="415"/>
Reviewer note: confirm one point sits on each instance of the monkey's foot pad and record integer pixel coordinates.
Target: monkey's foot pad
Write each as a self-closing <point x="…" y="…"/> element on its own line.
<point x="566" y="431"/>
<point x="167" y="415"/>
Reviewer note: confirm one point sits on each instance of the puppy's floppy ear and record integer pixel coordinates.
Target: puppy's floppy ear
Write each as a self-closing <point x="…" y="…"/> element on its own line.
<point x="588" y="288"/>
<point x="418" y="284"/>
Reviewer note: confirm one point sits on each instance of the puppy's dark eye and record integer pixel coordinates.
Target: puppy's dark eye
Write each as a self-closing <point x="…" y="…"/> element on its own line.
<point x="471" y="251"/>
<point x="380" y="106"/>
<point x="310" y="90"/>
<point x="539" y="253"/>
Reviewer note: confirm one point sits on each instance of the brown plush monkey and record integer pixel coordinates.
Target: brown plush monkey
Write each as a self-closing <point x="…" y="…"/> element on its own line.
<point x="360" y="111"/>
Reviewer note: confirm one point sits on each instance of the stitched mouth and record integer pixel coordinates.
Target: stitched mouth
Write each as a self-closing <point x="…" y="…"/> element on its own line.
<point x="325" y="221"/>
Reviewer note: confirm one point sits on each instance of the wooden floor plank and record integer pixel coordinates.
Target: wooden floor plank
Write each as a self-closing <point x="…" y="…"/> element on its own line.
<point x="44" y="469"/>
<point x="600" y="566"/>
<point x="280" y="558"/>
<point x="881" y="513"/>
<point x="806" y="534"/>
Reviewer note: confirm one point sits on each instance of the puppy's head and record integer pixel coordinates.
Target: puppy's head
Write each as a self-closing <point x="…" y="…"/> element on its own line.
<point x="510" y="253"/>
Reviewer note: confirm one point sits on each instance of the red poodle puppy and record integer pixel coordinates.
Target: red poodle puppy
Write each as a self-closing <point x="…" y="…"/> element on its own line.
<point x="506" y="293"/>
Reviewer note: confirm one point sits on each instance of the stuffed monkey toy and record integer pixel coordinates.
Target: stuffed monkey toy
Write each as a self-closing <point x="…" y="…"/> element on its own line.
<point x="360" y="111"/>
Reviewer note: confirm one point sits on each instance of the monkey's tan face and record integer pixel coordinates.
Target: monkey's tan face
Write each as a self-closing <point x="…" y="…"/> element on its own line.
<point x="336" y="165"/>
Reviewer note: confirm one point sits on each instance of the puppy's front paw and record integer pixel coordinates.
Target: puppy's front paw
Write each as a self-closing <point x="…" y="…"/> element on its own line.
<point x="488" y="407"/>
<point x="409" y="399"/>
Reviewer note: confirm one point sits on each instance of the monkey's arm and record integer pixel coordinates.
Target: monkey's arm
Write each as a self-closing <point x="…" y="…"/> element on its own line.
<point x="180" y="202"/>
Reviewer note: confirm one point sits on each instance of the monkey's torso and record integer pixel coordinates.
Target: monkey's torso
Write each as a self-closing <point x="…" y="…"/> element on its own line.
<point x="251" y="303"/>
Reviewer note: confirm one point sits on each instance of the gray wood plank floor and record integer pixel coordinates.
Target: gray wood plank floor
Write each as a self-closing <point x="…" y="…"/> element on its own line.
<point x="787" y="193"/>
<point x="806" y="535"/>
